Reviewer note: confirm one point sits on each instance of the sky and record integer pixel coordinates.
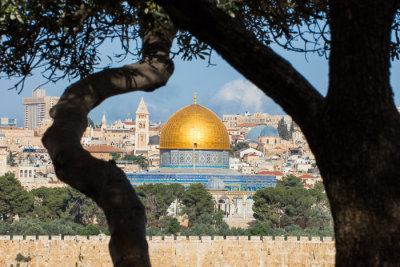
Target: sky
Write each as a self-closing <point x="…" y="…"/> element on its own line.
<point x="219" y="88"/>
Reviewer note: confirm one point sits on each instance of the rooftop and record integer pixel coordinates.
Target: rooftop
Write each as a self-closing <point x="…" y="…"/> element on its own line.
<point x="305" y="176"/>
<point x="103" y="149"/>
<point x="271" y="173"/>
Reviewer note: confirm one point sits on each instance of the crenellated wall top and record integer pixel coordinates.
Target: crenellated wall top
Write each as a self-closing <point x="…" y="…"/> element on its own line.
<point x="105" y="238"/>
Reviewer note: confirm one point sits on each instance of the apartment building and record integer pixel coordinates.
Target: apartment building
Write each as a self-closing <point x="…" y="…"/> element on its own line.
<point x="37" y="107"/>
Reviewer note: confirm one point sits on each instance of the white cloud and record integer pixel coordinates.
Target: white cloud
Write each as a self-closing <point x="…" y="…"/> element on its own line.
<point x="155" y="108"/>
<point x="239" y="96"/>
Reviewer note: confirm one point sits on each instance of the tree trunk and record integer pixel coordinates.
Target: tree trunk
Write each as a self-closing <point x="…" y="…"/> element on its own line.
<point x="358" y="149"/>
<point x="103" y="181"/>
<point x="353" y="132"/>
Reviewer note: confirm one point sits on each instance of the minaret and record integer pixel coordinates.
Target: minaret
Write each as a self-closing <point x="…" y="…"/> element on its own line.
<point x="142" y="128"/>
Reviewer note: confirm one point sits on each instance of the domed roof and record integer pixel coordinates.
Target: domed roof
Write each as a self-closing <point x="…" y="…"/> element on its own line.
<point x="191" y="125"/>
<point x="261" y="131"/>
<point x="269" y="131"/>
<point x="215" y="184"/>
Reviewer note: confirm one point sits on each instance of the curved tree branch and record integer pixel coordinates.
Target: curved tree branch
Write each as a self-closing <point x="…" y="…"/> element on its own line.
<point x="103" y="181"/>
<point x="251" y="58"/>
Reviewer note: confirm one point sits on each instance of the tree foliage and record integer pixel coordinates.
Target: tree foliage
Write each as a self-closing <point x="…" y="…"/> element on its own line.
<point x="65" y="211"/>
<point x="115" y="155"/>
<point x="283" y="130"/>
<point x="35" y="226"/>
<point x="240" y="146"/>
<point x="208" y="224"/>
<point x="289" y="181"/>
<point x="62" y="38"/>
<point x="66" y="203"/>
<point x="22" y="258"/>
<point x="289" y="203"/>
<point x="90" y="123"/>
<point x="13" y="198"/>
<point x="173" y="226"/>
<point x="197" y="201"/>
<point x="157" y="198"/>
<point x="291" y="130"/>
<point x="140" y="160"/>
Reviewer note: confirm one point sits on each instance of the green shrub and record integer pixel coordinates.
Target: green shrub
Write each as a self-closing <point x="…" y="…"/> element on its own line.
<point x="21" y="257"/>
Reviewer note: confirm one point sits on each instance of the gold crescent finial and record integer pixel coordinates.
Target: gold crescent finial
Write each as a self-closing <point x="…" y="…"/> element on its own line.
<point x="195" y="97"/>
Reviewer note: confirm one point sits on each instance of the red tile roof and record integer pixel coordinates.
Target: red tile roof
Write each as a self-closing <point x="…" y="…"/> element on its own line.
<point x="271" y="173"/>
<point x="305" y="176"/>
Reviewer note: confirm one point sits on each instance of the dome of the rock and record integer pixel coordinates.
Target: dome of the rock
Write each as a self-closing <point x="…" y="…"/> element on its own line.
<point x="194" y="126"/>
<point x="194" y="137"/>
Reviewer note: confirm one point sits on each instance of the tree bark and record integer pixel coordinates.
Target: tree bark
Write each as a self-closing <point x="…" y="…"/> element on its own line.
<point x="359" y="154"/>
<point x="103" y="181"/>
<point x="353" y="132"/>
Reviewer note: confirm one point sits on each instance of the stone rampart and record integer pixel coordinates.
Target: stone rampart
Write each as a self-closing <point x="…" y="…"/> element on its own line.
<point x="169" y="251"/>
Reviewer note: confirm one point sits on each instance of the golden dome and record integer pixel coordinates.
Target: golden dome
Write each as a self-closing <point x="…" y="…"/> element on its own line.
<point x="191" y="125"/>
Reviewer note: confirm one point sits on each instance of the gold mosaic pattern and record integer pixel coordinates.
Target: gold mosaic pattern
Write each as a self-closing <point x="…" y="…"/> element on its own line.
<point x="194" y="124"/>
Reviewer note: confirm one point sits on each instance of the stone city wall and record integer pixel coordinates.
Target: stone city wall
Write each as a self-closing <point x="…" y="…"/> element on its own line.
<point x="231" y="251"/>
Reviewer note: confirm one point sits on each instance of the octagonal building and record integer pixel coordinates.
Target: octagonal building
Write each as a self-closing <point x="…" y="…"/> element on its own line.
<point x="194" y="137"/>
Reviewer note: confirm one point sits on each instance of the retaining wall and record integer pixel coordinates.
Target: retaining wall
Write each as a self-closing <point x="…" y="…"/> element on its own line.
<point x="169" y="251"/>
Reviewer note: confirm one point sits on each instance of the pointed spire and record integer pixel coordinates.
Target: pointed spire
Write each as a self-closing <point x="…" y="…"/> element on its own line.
<point x="142" y="109"/>
<point x="103" y="120"/>
<point x="195" y="97"/>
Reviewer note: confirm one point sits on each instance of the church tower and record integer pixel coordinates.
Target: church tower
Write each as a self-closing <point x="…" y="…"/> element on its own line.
<point x="142" y="129"/>
<point x="103" y="122"/>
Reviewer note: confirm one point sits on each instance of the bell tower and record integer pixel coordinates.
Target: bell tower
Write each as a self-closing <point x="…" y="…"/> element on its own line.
<point x="142" y="129"/>
<point x="103" y="122"/>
